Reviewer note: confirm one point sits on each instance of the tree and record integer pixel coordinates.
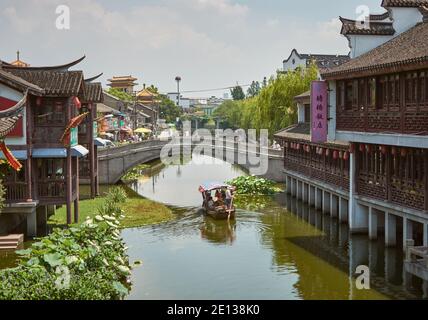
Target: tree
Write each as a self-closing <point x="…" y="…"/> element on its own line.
<point x="120" y="94"/>
<point x="169" y="110"/>
<point x="237" y="93"/>
<point x="254" y="89"/>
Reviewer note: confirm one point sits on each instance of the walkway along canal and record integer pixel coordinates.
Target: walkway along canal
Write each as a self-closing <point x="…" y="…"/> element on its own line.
<point x="278" y="248"/>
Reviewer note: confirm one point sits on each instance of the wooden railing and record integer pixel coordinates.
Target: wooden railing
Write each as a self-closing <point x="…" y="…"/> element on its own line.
<point x="15" y="191"/>
<point x="51" y="189"/>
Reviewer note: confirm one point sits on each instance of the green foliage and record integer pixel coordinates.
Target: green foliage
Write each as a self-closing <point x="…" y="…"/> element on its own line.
<point x="135" y="172"/>
<point x="252" y="185"/>
<point x="237" y="93"/>
<point x="85" y="262"/>
<point x="169" y="110"/>
<point x="273" y="108"/>
<point x="2" y="194"/>
<point x="120" y="94"/>
<point x="254" y="89"/>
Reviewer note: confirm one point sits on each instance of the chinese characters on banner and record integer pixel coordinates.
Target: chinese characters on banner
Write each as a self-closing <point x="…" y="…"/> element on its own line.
<point x="319" y="107"/>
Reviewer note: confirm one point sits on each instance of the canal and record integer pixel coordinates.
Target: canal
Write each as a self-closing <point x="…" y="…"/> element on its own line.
<point x="278" y="248"/>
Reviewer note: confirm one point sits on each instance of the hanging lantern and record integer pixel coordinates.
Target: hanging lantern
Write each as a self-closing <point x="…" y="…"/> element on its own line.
<point x="286" y="145"/>
<point x="335" y="154"/>
<point x="340" y="154"/>
<point x="76" y="102"/>
<point x="368" y="148"/>
<point x="346" y="156"/>
<point x="362" y="147"/>
<point x="383" y="150"/>
<point x="322" y="152"/>
<point x="352" y="148"/>
<point x="38" y="101"/>
<point x="403" y="152"/>
<point x="393" y="151"/>
<point x="327" y="152"/>
<point x="298" y="146"/>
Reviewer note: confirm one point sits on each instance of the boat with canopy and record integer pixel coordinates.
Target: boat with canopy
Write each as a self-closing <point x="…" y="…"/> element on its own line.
<point x="216" y="204"/>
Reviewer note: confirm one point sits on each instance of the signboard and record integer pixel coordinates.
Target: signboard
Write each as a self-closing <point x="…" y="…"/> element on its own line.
<point x="74" y="137"/>
<point x="95" y="129"/>
<point x="319" y="107"/>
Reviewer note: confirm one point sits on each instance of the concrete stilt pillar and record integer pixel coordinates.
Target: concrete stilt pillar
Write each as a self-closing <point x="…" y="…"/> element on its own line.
<point x="372" y="224"/>
<point x="343" y="235"/>
<point x="288" y="184"/>
<point x="32" y="224"/>
<point x="425" y="235"/>
<point x="293" y="187"/>
<point x="318" y="221"/>
<point x="333" y="206"/>
<point x="326" y="202"/>
<point x="305" y="197"/>
<point x="360" y="219"/>
<point x="390" y="230"/>
<point x="373" y="255"/>
<point x="407" y="231"/>
<point x="318" y="198"/>
<point x="333" y="230"/>
<point x="343" y="210"/>
<point x="299" y="190"/>
<point x="312" y="192"/>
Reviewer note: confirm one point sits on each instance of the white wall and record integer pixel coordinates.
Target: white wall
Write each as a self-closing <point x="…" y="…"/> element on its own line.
<point x="405" y="18"/>
<point x="301" y="112"/>
<point x="360" y="44"/>
<point x="290" y="66"/>
<point x="11" y="94"/>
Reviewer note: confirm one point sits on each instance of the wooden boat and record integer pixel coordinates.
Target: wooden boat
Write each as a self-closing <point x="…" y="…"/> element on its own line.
<point x="216" y="208"/>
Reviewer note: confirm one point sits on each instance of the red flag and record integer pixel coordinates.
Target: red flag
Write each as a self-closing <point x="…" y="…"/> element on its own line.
<point x="13" y="162"/>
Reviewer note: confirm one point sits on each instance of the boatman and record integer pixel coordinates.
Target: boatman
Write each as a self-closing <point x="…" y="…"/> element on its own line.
<point x="229" y="197"/>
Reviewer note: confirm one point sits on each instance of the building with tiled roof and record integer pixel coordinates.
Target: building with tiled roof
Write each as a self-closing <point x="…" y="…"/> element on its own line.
<point x="123" y="83"/>
<point x="323" y="61"/>
<point x="18" y="62"/>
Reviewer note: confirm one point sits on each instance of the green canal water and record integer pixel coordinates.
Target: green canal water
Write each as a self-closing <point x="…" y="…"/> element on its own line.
<point x="278" y="248"/>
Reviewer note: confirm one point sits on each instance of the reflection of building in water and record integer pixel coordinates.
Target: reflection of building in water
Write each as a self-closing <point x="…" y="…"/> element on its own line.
<point x="218" y="231"/>
<point x="315" y="243"/>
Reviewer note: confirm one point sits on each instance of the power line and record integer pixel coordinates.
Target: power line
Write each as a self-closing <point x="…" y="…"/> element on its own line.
<point x="216" y="89"/>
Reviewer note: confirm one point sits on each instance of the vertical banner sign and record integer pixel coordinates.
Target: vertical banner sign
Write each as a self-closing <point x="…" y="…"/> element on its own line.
<point x="74" y="137"/>
<point x="319" y="109"/>
<point x="95" y="130"/>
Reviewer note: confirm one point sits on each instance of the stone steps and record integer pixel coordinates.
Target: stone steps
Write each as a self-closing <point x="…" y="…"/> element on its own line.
<point x="11" y="242"/>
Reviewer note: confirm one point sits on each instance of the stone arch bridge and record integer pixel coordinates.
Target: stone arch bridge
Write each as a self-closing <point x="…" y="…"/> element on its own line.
<point x="115" y="162"/>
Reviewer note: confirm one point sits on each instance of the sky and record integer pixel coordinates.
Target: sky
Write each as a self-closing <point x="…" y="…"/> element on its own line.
<point x="209" y="43"/>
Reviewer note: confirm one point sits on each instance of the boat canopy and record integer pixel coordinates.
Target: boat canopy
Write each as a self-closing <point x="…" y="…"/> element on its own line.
<point x="209" y="186"/>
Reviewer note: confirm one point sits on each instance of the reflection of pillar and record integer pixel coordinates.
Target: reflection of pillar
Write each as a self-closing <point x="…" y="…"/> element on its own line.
<point x="312" y="217"/>
<point x="333" y="205"/>
<point x="318" y="198"/>
<point x="326" y="225"/>
<point x="425" y="289"/>
<point x="326" y="202"/>
<point x="359" y="251"/>
<point x="343" y="210"/>
<point x="372" y="224"/>
<point x="390" y="230"/>
<point x="343" y="234"/>
<point x="312" y="195"/>
<point x="373" y="255"/>
<point x="318" y="221"/>
<point x="390" y="264"/>
<point x="298" y="189"/>
<point x="425" y="233"/>
<point x="305" y="196"/>
<point x="333" y="230"/>
<point x="293" y="187"/>
<point x="407" y="231"/>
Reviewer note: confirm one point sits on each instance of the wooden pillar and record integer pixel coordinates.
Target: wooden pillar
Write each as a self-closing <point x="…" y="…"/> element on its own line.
<point x="388" y="168"/>
<point x="426" y="178"/>
<point x="76" y="200"/>
<point x="28" y="164"/>
<point x="69" y="169"/>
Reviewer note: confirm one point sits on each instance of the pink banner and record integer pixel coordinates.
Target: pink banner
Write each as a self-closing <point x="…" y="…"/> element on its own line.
<point x="319" y="107"/>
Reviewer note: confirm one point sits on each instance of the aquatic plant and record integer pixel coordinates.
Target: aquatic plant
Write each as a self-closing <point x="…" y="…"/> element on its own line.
<point x="252" y="185"/>
<point x="85" y="262"/>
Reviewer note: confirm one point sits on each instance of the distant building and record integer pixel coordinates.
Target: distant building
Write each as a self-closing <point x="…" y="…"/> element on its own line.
<point x="123" y="83"/>
<point x="184" y="103"/>
<point x="323" y="61"/>
<point x="18" y="62"/>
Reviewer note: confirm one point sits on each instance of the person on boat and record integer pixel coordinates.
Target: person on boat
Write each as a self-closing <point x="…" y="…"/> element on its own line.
<point x="229" y="197"/>
<point x="218" y="198"/>
<point x="210" y="203"/>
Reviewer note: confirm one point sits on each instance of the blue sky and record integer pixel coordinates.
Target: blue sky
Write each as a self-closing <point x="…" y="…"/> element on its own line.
<point x="210" y="43"/>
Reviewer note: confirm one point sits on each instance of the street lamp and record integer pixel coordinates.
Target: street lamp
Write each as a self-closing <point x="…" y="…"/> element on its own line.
<point x="178" y="79"/>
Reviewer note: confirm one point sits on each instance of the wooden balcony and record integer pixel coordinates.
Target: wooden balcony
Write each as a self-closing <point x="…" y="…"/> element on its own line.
<point x="15" y="192"/>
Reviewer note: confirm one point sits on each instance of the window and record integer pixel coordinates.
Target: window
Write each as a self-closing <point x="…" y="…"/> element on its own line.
<point x="349" y="95"/>
<point x="50" y="113"/>
<point x="362" y="92"/>
<point x="412" y="88"/>
<point x="371" y="94"/>
<point x="307" y="113"/>
<point x="341" y="94"/>
<point x="51" y="169"/>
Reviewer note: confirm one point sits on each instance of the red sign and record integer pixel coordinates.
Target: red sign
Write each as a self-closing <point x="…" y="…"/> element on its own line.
<point x="319" y="107"/>
<point x="18" y="130"/>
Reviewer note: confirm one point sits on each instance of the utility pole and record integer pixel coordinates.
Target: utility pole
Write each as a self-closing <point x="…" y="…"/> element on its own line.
<point x="178" y="79"/>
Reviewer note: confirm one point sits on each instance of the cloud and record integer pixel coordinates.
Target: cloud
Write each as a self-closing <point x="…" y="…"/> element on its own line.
<point x="224" y="7"/>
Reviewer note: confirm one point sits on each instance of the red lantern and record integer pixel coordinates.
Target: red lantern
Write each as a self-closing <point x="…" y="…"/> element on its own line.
<point x="76" y="102"/>
<point x="335" y="154"/>
<point x="368" y="148"/>
<point x="340" y="154"/>
<point x="298" y="146"/>
<point x="403" y="152"/>
<point x="383" y="149"/>
<point x="362" y="147"/>
<point x="352" y="148"/>
<point x="346" y="156"/>
<point x="393" y="151"/>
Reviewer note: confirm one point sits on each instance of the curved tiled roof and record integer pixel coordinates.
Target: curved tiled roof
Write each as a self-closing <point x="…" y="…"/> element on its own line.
<point x="404" y="3"/>
<point x="19" y="83"/>
<point x="94" y="78"/>
<point x="63" y="67"/>
<point x="9" y="117"/>
<point x="68" y="83"/>
<point x="402" y="52"/>
<point x="93" y="92"/>
<point x="323" y="61"/>
<point x="379" y="28"/>
<point x="379" y="17"/>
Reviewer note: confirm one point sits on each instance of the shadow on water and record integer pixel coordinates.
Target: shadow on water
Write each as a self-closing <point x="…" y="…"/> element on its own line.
<point x="278" y="248"/>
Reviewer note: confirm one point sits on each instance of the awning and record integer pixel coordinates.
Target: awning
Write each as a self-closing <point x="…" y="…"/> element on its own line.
<point x="50" y="153"/>
<point x="79" y="151"/>
<point x="100" y="142"/>
<point x="18" y="154"/>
